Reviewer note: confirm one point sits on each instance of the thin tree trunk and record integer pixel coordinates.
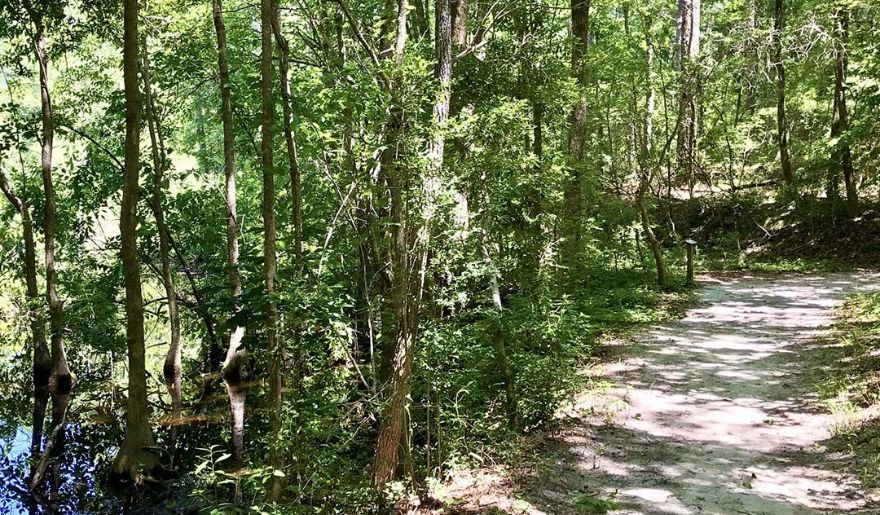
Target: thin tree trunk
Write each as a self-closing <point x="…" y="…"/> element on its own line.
<point x="276" y="352"/>
<point x="841" y="157"/>
<point x="753" y="56"/>
<point x="61" y="380"/>
<point x="498" y="343"/>
<point x="42" y="360"/>
<point x="646" y="164"/>
<point x="688" y="49"/>
<point x="289" y="138"/>
<point x="135" y="455"/>
<point x="235" y="364"/>
<point x="172" y="369"/>
<point x="55" y="444"/>
<point x="656" y="250"/>
<point x="781" y="121"/>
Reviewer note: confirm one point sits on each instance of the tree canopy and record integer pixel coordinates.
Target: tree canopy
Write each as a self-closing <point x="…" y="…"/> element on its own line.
<point x="316" y="253"/>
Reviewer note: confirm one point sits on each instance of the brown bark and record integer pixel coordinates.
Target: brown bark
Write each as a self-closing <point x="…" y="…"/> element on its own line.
<point x="42" y="359"/>
<point x="753" y="56"/>
<point x="55" y="444"/>
<point x="135" y="455"/>
<point x="404" y="271"/>
<point x="61" y="380"/>
<point x="234" y="367"/>
<point x="841" y="157"/>
<point x="781" y="120"/>
<point x="276" y="352"/>
<point x="653" y="242"/>
<point x="577" y="141"/>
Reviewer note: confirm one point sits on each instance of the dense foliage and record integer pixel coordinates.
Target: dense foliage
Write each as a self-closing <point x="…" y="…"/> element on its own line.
<point x="440" y="208"/>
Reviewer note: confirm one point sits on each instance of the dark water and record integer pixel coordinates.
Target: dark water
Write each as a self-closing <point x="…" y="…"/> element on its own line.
<point x="77" y="479"/>
<point x="70" y="484"/>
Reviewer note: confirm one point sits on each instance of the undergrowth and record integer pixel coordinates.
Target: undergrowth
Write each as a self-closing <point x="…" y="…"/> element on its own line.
<point x="851" y="388"/>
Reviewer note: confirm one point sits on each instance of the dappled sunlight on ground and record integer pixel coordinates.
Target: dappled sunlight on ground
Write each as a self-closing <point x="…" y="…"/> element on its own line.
<point x="716" y="415"/>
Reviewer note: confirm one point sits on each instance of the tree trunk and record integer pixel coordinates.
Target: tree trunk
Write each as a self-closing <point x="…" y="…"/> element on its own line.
<point x="135" y="455"/>
<point x="781" y="121"/>
<point x="647" y="164"/>
<point x="276" y="352"/>
<point x="234" y="368"/>
<point x="752" y="54"/>
<point x="689" y="84"/>
<point x="54" y="445"/>
<point x="61" y="380"/>
<point x="841" y="158"/>
<point x="573" y="194"/>
<point x="289" y="138"/>
<point x="405" y="311"/>
<point x="42" y="360"/>
<point x="656" y="250"/>
<point x="172" y="369"/>
<point x="459" y="11"/>
<point x="498" y="343"/>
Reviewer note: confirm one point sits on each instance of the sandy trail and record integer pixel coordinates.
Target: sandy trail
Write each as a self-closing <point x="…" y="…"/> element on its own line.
<point x="717" y="414"/>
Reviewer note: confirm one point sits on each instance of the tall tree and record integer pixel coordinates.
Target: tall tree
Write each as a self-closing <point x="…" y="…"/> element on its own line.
<point x="172" y="369"/>
<point x="688" y="48"/>
<point x="61" y="380"/>
<point x="577" y="139"/>
<point x="841" y="156"/>
<point x="235" y="365"/>
<point x="289" y="136"/>
<point x="42" y="359"/>
<point x="135" y="455"/>
<point x="647" y="163"/>
<point x="398" y="355"/>
<point x="779" y="68"/>
<point x="276" y="352"/>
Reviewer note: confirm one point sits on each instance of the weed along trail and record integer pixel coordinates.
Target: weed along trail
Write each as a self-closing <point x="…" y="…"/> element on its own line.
<point x="718" y="414"/>
<point x="713" y="413"/>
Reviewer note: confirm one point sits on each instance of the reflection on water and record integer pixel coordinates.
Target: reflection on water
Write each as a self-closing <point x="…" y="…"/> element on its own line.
<point x="74" y="471"/>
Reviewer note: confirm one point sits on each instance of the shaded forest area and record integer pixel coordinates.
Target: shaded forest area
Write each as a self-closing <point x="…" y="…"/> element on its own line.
<point x="309" y="256"/>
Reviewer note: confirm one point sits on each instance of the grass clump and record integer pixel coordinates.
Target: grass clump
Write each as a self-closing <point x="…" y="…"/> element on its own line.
<point x="851" y="388"/>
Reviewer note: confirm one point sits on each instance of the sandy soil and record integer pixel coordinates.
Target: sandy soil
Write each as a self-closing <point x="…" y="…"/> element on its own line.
<point x="716" y="414"/>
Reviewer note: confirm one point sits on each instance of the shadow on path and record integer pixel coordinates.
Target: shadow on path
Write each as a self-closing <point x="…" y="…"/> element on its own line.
<point x="717" y="414"/>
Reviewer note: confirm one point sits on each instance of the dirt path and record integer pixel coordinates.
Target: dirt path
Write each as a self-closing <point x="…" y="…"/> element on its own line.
<point x="718" y="414"/>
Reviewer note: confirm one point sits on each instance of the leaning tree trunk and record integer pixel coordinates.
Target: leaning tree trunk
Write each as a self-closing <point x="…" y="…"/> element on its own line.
<point x="289" y="138"/>
<point x="276" y="352"/>
<point x="61" y="380"/>
<point x="235" y="365"/>
<point x="42" y="360"/>
<point x="172" y="369"/>
<point x="781" y="121"/>
<point x="841" y="157"/>
<point x="135" y="455"/>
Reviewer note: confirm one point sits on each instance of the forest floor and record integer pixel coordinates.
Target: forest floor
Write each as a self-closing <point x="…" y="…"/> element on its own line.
<point x="715" y="413"/>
